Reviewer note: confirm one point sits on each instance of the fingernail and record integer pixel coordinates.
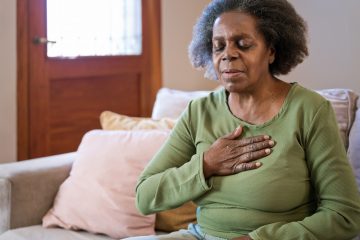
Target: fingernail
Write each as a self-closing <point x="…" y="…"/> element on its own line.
<point x="267" y="151"/>
<point x="258" y="164"/>
<point x="267" y="137"/>
<point x="271" y="143"/>
<point x="238" y="130"/>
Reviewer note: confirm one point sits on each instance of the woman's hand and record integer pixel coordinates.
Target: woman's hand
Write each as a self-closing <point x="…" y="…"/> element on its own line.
<point x="229" y="155"/>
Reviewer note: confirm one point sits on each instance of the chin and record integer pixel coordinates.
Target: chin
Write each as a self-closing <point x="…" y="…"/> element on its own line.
<point x="234" y="87"/>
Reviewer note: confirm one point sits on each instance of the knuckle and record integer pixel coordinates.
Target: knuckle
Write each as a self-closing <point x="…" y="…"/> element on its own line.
<point x="258" y="154"/>
<point x="249" y="148"/>
<point x="244" y="142"/>
<point x="255" y="155"/>
<point x="257" y="146"/>
<point x="249" y="166"/>
<point x="248" y="156"/>
<point x="228" y="149"/>
<point x="241" y="167"/>
<point x="244" y="167"/>
<point x="259" y="138"/>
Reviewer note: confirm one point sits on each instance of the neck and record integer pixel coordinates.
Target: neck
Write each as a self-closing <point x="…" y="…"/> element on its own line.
<point x="260" y="104"/>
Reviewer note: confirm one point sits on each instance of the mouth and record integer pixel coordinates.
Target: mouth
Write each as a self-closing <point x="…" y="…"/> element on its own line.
<point x="232" y="73"/>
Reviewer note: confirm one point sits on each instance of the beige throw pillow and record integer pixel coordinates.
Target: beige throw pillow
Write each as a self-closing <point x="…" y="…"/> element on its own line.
<point x="176" y="219"/>
<point x="114" y="121"/>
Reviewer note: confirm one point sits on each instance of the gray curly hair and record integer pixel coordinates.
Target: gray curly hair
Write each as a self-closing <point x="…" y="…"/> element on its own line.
<point x="282" y="28"/>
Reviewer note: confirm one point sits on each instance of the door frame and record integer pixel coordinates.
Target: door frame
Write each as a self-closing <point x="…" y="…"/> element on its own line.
<point x="151" y="11"/>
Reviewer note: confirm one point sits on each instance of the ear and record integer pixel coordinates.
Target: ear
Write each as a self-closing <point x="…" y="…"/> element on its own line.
<point x="271" y="55"/>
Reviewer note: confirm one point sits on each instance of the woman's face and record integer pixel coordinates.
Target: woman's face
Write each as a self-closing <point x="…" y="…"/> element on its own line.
<point x="240" y="55"/>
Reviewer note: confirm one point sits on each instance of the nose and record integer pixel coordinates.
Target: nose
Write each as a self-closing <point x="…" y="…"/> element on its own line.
<point x="230" y="53"/>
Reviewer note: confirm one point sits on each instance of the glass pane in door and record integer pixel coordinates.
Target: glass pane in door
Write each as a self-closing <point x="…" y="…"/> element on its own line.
<point x="93" y="28"/>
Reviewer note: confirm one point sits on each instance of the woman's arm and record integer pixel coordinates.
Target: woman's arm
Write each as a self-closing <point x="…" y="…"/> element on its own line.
<point x="338" y="213"/>
<point x="179" y="173"/>
<point x="174" y="176"/>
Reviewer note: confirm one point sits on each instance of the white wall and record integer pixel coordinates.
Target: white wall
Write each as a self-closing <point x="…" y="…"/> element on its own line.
<point x="334" y="34"/>
<point x="334" y="30"/>
<point x="178" y="18"/>
<point x="7" y="80"/>
<point x="334" y="37"/>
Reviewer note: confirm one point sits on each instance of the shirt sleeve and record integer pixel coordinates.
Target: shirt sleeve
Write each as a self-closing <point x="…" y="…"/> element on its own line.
<point x="338" y="212"/>
<point x="175" y="174"/>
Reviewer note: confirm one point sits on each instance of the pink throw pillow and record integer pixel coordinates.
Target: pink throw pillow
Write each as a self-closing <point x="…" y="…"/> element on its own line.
<point x="99" y="194"/>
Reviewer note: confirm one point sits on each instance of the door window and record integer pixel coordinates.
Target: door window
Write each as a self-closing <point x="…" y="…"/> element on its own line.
<point x="93" y="28"/>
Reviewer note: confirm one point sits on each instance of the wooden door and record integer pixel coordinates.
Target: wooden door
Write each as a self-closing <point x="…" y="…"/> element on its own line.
<point x="60" y="99"/>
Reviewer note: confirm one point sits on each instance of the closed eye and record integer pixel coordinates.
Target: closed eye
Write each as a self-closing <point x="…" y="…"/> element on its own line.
<point x="218" y="49"/>
<point x="218" y="46"/>
<point x="244" y="45"/>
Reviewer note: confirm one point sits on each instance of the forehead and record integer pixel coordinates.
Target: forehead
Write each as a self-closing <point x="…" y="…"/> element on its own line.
<point x="235" y="23"/>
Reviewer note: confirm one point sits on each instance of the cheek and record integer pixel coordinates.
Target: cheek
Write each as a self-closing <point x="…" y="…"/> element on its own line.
<point x="216" y="62"/>
<point x="259" y="63"/>
<point x="264" y="63"/>
<point x="217" y="65"/>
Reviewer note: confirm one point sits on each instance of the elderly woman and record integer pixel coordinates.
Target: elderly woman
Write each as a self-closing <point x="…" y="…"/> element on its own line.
<point x="262" y="158"/>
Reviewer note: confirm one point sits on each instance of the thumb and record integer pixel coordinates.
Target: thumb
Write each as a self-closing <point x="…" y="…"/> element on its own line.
<point x="234" y="134"/>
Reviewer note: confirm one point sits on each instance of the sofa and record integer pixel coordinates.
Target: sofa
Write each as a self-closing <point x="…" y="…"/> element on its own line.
<point x="28" y="188"/>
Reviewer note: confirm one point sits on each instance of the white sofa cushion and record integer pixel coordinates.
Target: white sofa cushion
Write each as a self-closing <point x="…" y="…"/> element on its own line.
<point x="171" y="103"/>
<point x="38" y="232"/>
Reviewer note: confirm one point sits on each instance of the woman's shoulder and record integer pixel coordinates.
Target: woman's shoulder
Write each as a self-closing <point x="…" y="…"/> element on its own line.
<point x="202" y="109"/>
<point x="212" y="101"/>
<point x="306" y="97"/>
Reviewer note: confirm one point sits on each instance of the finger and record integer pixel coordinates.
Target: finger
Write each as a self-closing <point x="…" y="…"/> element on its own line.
<point x="234" y="134"/>
<point x="251" y="156"/>
<point x="241" y="167"/>
<point x="258" y="146"/>
<point x="251" y="140"/>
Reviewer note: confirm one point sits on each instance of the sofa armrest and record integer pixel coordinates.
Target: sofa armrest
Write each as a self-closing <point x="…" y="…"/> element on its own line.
<point x="28" y="188"/>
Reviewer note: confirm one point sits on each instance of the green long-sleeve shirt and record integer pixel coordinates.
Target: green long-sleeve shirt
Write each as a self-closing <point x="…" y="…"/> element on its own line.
<point x="305" y="188"/>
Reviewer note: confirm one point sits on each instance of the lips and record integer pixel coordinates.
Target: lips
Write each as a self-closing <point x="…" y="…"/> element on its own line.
<point x="232" y="73"/>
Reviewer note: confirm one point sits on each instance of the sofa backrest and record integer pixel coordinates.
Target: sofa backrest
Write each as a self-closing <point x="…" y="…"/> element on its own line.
<point x="354" y="144"/>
